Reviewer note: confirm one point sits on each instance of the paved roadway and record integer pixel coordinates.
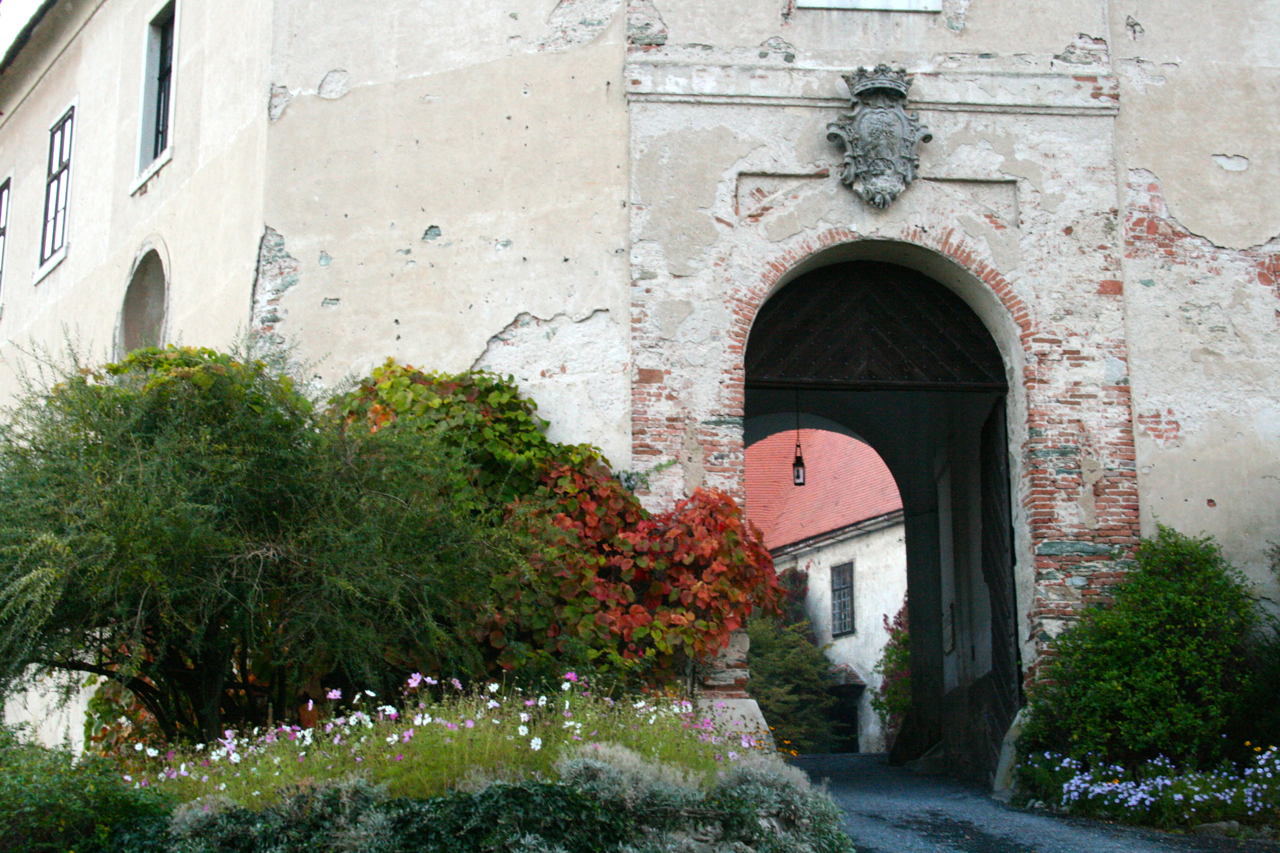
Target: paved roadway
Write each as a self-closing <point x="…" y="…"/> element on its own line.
<point x="892" y="810"/>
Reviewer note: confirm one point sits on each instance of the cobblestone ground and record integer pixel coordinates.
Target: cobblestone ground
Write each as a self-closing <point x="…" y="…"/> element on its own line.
<point x="892" y="810"/>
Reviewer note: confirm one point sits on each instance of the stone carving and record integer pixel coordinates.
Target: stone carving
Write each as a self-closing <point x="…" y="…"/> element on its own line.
<point x="879" y="136"/>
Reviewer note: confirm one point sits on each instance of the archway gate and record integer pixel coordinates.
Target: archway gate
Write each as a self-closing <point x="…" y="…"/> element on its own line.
<point x="891" y="356"/>
<point x="1068" y="440"/>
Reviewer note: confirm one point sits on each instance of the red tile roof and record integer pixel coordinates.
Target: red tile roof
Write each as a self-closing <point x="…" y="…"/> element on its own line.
<point x="846" y="483"/>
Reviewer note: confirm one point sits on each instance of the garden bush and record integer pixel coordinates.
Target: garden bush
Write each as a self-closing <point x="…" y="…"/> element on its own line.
<point x="52" y="801"/>
<point x="1158" y="672"/>
<point x="606" y="584"/>
<point x="187" y="524"/>
<point x="1161" y="708"/>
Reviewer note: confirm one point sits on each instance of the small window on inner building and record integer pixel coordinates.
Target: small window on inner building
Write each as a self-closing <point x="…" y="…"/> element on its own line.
<point x="57" y="185"/>
<point x="157" y="94"/>
<point x="842" y="599"/>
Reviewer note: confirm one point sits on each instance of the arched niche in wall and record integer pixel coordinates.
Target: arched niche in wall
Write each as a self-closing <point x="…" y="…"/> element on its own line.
<point x="146" y="300"/>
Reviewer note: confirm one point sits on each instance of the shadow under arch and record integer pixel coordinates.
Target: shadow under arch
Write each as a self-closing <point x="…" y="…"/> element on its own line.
<point x="905" y="362"/>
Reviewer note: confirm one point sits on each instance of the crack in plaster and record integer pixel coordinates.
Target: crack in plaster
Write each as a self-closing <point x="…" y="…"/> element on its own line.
<point x="524" y="320"/>
<point x="1147" y="177"/>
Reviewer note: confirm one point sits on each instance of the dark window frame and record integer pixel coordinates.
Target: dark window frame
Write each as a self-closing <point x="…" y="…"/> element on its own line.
<point x="53" y="233"/>
<point x="842" y="621"/>
<point x="164" y="33"/>
<point x="6" y="198"/>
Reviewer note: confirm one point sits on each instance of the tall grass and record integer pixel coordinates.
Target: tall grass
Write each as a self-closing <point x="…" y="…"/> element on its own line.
<point x="440" y="738"/>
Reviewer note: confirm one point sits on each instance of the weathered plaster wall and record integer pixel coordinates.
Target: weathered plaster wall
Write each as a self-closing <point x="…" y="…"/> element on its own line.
<point x="879" y="590"/>
<point x="1200" y="182"/>
<point x="1028" y="236"/>
<point x="202" y="209"/>
<point x="484" y="223"/>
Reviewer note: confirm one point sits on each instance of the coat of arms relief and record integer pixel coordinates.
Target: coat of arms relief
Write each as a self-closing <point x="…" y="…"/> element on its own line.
<point x="879" y="136"/>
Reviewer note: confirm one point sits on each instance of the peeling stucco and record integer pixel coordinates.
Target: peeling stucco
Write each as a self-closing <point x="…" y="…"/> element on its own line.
<point x="575" y="22"/>
<point x="334" y="85"/>
<point x="645" y="27"/>
<point x="278" y="101"/>
<point x="277" y="272"/>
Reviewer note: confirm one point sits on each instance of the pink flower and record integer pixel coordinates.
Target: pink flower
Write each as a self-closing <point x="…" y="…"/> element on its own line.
<point x="456" y="683"/>
<point x="399" y="758"/>
<point x="408" y="734"/>
<point x="471" y="724"/>
<point x="571" y="676"/>
<point x="415" y="679"/>
<point x="335" y="693"/>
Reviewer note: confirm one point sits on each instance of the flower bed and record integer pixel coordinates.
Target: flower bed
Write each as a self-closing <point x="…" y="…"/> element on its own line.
<point x="467" y="771"/>
<point x="443" y="737"/>
<point x="1157" y="793"/>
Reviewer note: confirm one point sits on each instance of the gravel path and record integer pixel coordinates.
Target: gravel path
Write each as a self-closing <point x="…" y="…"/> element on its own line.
<point x="892" y="810"/>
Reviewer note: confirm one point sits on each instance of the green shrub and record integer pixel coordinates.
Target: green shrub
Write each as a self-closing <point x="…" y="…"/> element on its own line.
<point x="185" y="523"/>
<point x="790" y="679"/>
<point x="1159" y="671"/>
<point x="52" y="803"/>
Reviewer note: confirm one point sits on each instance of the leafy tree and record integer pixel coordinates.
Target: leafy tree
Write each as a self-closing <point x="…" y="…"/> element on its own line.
<point x="1161" y="671"/>
<point x="791" y="681"/>
<point x="186" y="523"/>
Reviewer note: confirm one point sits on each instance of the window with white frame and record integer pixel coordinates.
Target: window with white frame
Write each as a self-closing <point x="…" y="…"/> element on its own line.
<point x="57" y="186"/>
<point x="842" y="599"/>
<point x="157" y="89"/>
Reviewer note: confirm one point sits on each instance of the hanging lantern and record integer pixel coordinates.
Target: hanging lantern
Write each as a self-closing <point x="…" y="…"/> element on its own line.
<point x="797" y="467"/>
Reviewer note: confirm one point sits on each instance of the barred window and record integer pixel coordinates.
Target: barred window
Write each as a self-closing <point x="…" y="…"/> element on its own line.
<point x="57" y="185"/>
<point x="842" y="599"/>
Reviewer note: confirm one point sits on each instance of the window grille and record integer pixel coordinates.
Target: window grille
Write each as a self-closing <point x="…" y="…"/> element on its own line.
<point x="842" y="599"/>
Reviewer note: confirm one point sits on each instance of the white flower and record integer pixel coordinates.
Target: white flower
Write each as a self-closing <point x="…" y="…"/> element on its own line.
<point x="370" y="693"/>
<point x="234" y="758"/>
<point x="494" y="703"/>
<point x="523" y="730"/>
<point x="565" y="686"/>
<point x="535" y="744"/>
<point x="524" y="718"/>
<point x="493" y="687"/>
<point x="542" y="701"/>
<point x="137" y="747"/>
<point x="152" y="753"/>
